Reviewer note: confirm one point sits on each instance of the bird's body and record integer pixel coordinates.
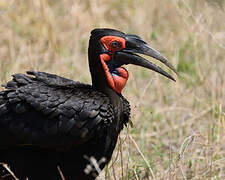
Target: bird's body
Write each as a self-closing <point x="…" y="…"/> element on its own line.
<point x="52" y="112"/>
<point x="51" y="125"/>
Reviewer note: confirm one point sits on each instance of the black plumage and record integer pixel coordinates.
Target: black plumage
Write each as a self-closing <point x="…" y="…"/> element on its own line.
<point x="49" y="113"/>
<point x="49" y="122"/>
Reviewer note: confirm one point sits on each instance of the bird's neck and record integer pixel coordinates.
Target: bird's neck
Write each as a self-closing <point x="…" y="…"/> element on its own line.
<point x="99" y="79"/>
<point x="100" y="83"/>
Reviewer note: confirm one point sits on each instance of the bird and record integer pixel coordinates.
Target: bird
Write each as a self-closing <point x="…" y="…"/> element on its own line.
<point x="53" y="128"/>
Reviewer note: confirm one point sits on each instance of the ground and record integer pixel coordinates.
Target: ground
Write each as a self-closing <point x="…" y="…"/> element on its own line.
<point x="178" y="128"/>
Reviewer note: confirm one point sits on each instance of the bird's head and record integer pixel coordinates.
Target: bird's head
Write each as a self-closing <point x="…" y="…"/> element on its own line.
<point x="110" y="49"/>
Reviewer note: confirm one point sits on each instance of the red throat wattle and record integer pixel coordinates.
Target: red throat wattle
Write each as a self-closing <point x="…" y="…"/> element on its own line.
<point x="117" y="82"/>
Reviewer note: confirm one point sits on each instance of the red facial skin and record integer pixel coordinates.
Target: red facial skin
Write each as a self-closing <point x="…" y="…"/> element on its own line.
<point x="113" y="44"/>
<point x="116" y="82"/>
<point x="107" y="42"/>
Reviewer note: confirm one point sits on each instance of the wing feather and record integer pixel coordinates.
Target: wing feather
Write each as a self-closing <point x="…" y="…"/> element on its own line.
<point x="50" y="111"/>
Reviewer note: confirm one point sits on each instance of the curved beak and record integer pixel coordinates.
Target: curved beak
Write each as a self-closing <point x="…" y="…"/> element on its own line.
<point x="135" y="44"/>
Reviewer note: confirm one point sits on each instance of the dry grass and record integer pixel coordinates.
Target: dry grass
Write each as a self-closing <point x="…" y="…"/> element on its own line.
<point x="179" y="129"/>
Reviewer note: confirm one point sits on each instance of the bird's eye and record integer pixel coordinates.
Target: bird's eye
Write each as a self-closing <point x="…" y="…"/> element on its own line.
<point x="115" y="44"/>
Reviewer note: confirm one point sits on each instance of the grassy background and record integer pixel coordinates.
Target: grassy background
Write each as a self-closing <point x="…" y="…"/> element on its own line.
<point x="179" y="128"/>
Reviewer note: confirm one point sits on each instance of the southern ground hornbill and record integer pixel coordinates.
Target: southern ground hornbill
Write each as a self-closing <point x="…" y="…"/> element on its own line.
<point x="49" y="122"/>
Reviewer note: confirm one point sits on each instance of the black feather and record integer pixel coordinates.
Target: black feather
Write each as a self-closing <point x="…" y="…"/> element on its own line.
<point x="48" y="121"/>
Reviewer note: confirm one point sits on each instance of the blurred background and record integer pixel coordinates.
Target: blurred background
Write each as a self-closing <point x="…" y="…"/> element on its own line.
<point x="178" y="128"/>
